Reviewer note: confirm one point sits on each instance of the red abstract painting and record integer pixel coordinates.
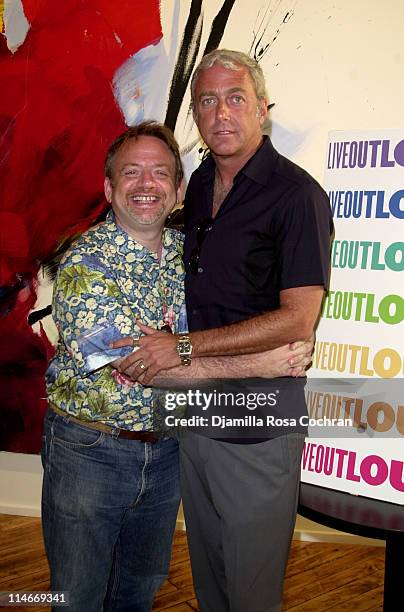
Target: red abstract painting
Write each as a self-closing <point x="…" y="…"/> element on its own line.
<point x="73" y="75"/>
<point x="57" y="117"/>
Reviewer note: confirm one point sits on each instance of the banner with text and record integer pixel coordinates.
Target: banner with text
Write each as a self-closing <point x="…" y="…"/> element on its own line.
<point x="361" y="327"/>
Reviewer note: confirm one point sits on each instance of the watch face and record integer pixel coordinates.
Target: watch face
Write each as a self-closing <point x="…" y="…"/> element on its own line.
<point x="184" y="347"/>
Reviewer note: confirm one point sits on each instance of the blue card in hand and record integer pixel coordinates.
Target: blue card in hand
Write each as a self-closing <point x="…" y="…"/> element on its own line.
<point x="95" y="350"/>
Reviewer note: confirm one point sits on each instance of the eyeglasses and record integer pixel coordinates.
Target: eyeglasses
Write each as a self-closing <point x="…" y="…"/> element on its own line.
<point x="201" y="232"/>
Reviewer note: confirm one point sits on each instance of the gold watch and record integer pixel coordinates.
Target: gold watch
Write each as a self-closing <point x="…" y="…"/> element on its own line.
<point x="184" y="349"/>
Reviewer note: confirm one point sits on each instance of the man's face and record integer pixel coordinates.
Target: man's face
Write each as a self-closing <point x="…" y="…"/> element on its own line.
<point x="227" y="112"/>
<point x="142" y="192"/>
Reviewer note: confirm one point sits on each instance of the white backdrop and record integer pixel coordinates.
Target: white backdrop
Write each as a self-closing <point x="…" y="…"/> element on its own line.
<point x="360" y="336"/>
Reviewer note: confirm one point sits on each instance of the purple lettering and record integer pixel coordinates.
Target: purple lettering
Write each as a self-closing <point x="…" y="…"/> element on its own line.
<point x="399" y="153"/>
<point x="353" y="153"/>
<point x="339" y="148"/>
<point x="345" y="155"/>
<point x="329" y="156"/>
<point x="385" y="162"/>
<point x="375" y="145"/>
<point x="362" y="153"/>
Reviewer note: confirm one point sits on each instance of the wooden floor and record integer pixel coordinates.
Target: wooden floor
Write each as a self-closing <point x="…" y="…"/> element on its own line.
<point x="320" y="577"/>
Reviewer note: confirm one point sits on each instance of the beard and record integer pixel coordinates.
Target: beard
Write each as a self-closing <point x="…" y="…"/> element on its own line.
<point x="147" y="213"/>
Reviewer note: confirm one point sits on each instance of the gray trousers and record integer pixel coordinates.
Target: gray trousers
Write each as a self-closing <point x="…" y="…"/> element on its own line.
<point x="240" y="508"/>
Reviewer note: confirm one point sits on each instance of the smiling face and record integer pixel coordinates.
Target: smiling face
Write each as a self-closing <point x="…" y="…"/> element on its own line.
<point x="228" y="113"/>
<point x="142" y="191"/>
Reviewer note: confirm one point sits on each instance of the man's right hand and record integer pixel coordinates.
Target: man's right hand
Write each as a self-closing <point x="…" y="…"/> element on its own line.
<point x="287" y="360"/>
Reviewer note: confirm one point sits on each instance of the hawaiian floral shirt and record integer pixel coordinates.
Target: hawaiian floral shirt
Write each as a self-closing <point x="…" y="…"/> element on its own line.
<point x="108" y="279"/>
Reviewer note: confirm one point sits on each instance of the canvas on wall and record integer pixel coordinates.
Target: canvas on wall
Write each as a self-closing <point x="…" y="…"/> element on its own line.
<point x="75" y="73"/>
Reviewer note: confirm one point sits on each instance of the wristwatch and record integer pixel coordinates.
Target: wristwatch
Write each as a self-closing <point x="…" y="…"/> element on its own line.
<point x="184" y="349"/>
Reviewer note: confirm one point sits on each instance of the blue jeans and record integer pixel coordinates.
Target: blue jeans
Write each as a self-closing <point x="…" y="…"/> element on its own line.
<point x="109" y="508"/>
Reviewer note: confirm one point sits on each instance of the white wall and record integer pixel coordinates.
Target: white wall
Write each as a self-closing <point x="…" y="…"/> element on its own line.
<point x="20" y="484"/>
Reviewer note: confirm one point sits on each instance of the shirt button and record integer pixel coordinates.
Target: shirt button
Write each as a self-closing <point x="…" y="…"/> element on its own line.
<point x="195" y="311"/>
<point x="200" y="270"/>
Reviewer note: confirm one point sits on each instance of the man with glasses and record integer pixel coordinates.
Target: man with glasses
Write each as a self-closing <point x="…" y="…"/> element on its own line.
<point x="256" y="253"/>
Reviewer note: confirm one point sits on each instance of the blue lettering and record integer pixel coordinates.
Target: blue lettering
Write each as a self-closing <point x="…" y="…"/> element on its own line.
<point x="395" y="200"/>
<point x="357" y="204"/>
<point x="380" y="213"/>
<point x="369" y="204"/>
<point x="348" y="204"/>
<point x="370" y="195"/>
<point x="339" y="214"/>
<point x="333" y="197"/>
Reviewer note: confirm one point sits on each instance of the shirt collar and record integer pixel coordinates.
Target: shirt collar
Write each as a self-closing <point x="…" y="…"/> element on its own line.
<point x="259" y="167"/>
<point x="172" y="241"/>
<point x="173" y="244"/>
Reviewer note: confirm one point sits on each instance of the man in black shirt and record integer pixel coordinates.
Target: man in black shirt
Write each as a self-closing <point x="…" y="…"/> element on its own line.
<point x="257" y="254"/>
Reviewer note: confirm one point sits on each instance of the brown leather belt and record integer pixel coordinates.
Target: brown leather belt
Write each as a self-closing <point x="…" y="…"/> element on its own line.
<point x="144" y="436"/>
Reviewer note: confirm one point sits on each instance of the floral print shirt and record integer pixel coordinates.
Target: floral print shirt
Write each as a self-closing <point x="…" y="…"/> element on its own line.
<point x="108" y="279"/>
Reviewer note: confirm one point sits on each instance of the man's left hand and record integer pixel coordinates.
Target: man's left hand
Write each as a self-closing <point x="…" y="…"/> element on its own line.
<point x="158" y="351"/>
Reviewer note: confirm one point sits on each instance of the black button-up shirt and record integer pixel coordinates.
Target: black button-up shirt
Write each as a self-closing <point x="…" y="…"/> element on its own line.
<point x="272" y="232"/>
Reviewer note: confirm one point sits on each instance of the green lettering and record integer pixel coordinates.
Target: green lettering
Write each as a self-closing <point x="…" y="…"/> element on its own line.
<point x="376" y="265"/>
<point x="359" y="299"/>
<point x="384" y="309"/>
<point x="370" y="302"/>
<point x="391" y="256"/>
<point x="335" y="247"/>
